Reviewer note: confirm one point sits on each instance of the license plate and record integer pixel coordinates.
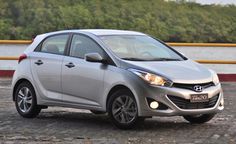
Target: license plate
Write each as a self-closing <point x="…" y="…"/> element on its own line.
<point x="199" y="98"/>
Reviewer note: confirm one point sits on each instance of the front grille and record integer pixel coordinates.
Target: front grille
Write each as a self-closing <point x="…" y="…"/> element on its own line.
<point x="190" y="86"/>
<point x="186" y="104"/>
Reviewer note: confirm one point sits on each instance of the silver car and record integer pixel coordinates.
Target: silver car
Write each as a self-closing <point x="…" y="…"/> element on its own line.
<point x="129" y="75"/>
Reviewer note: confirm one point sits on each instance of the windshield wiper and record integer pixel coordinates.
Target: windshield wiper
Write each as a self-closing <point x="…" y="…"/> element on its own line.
<point x="165" y="59"/>
<point x="133" y="59"/>
<point x="154" y="59"/>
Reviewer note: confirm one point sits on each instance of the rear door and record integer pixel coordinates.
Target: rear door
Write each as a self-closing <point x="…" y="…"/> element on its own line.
<point x="46" y="64"/>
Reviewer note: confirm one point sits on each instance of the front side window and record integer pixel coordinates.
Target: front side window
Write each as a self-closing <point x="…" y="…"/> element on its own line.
<point x="82" y="45"/>
<point x="55" y="44"/>
<point x="139" y="48"/>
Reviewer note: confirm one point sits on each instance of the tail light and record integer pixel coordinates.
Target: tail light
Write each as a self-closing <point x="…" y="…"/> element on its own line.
<point x="22" y="57"/>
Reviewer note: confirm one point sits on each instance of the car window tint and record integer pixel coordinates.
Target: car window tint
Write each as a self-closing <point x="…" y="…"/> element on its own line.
<point x="55" y="44"/>
<point x="82" y="45"/>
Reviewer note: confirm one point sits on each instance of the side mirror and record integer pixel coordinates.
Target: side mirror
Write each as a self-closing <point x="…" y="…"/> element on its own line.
<point x="94" y="57"/>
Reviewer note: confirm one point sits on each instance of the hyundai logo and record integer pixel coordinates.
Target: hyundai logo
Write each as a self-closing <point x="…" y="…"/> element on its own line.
<point x="198" y="88"/>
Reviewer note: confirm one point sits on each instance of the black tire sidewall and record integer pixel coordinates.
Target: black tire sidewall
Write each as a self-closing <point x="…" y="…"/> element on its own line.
<point x="34" y="110"/>
<point x="109" y="109"/>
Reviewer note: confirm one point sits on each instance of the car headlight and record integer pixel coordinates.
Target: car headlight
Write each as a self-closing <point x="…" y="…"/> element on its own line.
<point x="152" y="79"/>
<point x="215" y="78"/>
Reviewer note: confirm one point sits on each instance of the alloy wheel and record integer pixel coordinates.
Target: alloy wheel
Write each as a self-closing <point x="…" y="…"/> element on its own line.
<point x="124" y="109"/>
<point x="24" y="99"/>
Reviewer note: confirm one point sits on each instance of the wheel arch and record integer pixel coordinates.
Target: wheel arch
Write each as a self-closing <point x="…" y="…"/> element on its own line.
<point x="17" y="84"/>
<point x="116" y="88"/>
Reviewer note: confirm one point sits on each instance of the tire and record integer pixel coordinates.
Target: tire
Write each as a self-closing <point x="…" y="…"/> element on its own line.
<point x="97" y="112"/>
<point x="25" y="100"/>
<point x="199" y="119"/>
<point x="123" y="115"/>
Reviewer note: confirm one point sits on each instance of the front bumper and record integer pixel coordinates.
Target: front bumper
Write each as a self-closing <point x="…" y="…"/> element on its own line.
<point x="160" y="94"/>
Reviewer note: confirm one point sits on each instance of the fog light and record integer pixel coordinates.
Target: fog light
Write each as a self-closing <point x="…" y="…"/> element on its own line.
<point x="154" y="105"/>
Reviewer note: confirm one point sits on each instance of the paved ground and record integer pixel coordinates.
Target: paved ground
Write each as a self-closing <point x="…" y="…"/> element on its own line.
<point x="61" y="125"/>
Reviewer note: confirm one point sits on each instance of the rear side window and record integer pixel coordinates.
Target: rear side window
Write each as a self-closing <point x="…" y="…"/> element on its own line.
<point x="82" y="45"/>
<point x="55" y="44"/>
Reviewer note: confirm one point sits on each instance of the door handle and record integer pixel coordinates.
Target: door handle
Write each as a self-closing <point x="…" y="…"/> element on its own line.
<point x="39" y="62"/>
<point x="70" y="65"/>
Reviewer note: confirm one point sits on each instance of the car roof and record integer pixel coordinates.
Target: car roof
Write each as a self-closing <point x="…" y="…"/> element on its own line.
<point x="98" y="32"/>
<point x="111" y="32"/>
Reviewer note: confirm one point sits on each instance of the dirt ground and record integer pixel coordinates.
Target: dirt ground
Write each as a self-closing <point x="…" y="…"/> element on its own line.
<point x="64" y="125"/>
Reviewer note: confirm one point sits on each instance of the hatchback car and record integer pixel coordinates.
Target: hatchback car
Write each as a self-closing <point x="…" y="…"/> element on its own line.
<point x="129" y="75"/>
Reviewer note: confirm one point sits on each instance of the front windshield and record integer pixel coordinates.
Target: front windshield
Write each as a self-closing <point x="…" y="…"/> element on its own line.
<point x="139" y="48"/>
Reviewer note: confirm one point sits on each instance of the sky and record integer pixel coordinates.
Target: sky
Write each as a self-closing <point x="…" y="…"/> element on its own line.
<point x="223" y="2"/>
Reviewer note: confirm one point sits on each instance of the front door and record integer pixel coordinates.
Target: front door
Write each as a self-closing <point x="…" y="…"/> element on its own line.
<point x="82" y="81"/>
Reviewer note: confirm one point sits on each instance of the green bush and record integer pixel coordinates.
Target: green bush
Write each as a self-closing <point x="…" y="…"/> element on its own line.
<point x="169" y="21"/>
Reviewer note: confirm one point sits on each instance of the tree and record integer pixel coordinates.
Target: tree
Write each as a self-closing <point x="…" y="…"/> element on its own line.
<point x="169" y="21"/>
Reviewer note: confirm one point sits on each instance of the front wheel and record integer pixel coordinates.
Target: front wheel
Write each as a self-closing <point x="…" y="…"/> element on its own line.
<point x="122" y="109"/>
<point x="198" y="119"/>
<point x="25" y="100"/>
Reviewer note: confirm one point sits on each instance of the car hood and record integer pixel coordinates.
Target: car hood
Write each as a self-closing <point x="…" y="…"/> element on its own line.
<point x="177" y="71"/>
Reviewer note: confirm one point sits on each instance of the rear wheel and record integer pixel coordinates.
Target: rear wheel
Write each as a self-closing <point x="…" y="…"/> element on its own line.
<point x="198" y="119"/>
<point x="122" y="109"/>
<point x="25" y="100"/>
